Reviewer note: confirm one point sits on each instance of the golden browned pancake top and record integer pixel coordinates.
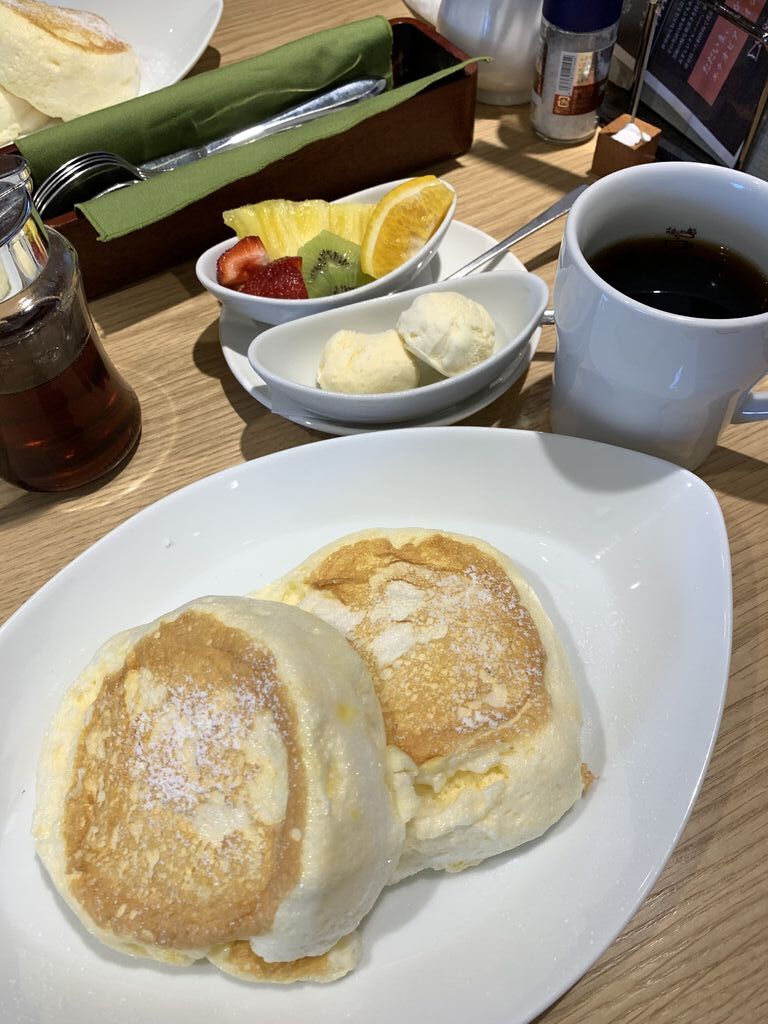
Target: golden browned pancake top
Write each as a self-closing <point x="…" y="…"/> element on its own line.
<point x="79" y="28"/>
<point x="167" y="753"/>
<point x="455" y="656"/>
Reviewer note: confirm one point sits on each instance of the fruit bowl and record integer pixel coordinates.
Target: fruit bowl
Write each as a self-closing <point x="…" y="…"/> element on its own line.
<point x="287" y="356"/>
<point x="278" y="311"/>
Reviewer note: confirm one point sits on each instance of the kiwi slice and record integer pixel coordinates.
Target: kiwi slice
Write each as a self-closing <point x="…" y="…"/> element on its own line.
<point x="330" y="264"/>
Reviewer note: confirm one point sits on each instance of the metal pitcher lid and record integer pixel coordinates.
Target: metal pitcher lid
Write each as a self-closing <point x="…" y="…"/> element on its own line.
<point x="23" y="241"/>
<point x="14" y="170"/>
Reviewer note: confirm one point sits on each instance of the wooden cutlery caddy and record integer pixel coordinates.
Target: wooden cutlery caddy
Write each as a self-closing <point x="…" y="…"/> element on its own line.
<point x="434" y="125"/>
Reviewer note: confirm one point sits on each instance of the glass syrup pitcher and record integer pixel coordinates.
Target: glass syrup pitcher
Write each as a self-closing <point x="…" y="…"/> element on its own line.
<point x="67" y="417"/>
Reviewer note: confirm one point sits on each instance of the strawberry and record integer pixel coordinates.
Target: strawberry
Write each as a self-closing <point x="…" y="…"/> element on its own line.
<point x="234" y="265"/>
<point x="280" y="279"/>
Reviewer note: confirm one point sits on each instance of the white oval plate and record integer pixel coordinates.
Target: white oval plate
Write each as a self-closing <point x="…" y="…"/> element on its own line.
<point x="169" y="38"/>
<point x="630" y="558"/>
<point x="288" y="356"/>
<point x="461" y="244"/>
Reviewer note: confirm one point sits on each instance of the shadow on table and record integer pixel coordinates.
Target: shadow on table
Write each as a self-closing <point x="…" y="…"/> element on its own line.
<point x="524" y="407"/>
<point x="263" y="432"/>
<point x="209" y="359"/>
<point x="516" y="149"/>
<point x="736" y="474"/>
<point x="17" y="504"/>
<point x="145" y="299"/>
<point x="543" y="259"/>
<point x="209" y="60"/>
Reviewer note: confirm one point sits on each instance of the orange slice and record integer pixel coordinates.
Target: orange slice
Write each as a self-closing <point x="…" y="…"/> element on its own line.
<point x="402" y="221"/>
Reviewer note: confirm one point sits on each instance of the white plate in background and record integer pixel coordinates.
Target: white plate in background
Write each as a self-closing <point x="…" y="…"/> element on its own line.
<point x="168" y="37"/>
<point x="630" y="558"/>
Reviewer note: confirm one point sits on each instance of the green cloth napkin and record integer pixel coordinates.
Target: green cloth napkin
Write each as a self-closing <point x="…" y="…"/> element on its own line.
<point x="213" y="104"/>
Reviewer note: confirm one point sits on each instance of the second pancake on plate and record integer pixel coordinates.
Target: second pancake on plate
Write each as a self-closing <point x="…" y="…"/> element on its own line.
<point x="476" y="691"/>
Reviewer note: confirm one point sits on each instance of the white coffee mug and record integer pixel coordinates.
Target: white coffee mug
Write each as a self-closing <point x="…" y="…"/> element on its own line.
<point x="639" y="377"/>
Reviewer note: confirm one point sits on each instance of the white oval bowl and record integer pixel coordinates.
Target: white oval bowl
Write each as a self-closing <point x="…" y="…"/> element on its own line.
<point x="279" y="311"/>
<point x="287" y="356"/>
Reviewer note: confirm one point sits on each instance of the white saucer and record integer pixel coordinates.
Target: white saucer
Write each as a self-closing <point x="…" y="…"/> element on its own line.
<point x="461" y="244"/>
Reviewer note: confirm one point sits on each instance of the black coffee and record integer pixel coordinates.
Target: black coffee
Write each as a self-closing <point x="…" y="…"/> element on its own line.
<point x="684" y="276"/>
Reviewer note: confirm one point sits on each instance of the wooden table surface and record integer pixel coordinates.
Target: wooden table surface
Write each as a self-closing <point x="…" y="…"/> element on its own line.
<point x="696" y="951"/>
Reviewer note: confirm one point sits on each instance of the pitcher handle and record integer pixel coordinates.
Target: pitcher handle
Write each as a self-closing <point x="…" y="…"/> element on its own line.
<point x="753" y="407"/>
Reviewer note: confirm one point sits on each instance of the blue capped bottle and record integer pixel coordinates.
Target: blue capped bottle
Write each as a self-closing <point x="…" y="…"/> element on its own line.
<point x="574" y="56"/>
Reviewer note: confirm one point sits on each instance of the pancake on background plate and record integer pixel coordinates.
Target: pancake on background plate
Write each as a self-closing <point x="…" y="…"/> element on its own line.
<point x="61" y="62"/>
<point x="215" y="784"/>
<point x="474" y="685"/>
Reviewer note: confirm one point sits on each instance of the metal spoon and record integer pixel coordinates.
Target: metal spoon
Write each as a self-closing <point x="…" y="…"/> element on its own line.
<point x="552" y="212"/>
<point x="69" y="183"/>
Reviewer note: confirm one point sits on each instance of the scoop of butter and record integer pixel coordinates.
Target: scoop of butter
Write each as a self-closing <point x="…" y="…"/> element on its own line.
<point x="449" y="331"/>
<point x="366" y="364"/>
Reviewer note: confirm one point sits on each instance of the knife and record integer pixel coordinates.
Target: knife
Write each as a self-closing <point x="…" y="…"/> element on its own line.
<point x="335" y="99"/>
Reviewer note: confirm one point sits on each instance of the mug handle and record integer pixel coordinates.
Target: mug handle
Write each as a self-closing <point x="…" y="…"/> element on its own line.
<point x="753" y="407"/>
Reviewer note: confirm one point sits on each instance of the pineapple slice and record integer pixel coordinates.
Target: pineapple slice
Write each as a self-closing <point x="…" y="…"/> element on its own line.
<point x="349" y="220"/>
<point x="282" y="225"/>
<point x="244" y="220"/>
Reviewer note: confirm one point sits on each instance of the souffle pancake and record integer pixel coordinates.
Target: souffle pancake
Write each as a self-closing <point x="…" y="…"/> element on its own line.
<point x="215" y="785"/>
<point x="478" y="698"/>
<point x="63" y="62"/>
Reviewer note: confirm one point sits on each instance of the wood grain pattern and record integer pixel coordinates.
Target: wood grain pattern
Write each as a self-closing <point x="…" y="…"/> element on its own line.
<point x="696" y="951"/>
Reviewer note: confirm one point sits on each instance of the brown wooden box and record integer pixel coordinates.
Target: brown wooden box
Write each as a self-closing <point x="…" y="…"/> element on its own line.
<point x="613" y="156"/>
<point x="434" y="125"/>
